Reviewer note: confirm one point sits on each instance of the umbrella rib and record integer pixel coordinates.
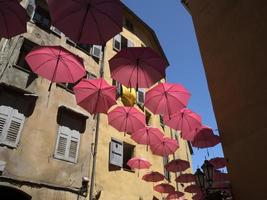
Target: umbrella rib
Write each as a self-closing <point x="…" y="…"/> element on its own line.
<point x="97" y="27"/>
<point x="15" y="13"/>
<point x="70" y="73"/>
<point x="37" y="53"/>
<point x="39" y="66"/>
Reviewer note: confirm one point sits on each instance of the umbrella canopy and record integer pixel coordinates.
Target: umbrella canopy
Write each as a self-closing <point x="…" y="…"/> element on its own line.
<point x="138" y="163"/>
<point x="205" y="138"/>
<point x="126" y="119"/>
<point x="192" y="189"/>
<point x="13" y="19"/>
<point x="56" y="64"/>
<point x="218" y="162"/>
<point x="166" y="98"/>
<point x="147" y="135"/>
<point x="153" y="177"/>
<point x="184" y="120"/>
<point x="198" y="196"/>
<point x="137" y="67"/>
<point x="185" y="178"/>
<point x="165" y="147"/>
<point x="177" y="165"/>
<point x="87" y="22"/>
<point x="220" y="176"/>
<point x="175" y="195"/>
<point x="95" y="95"/>
<point x="164" y="188"/>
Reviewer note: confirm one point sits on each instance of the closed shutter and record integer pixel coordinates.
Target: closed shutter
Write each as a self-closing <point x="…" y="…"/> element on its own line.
<point x="11" y="126"/>
<point x="31" y="8"/>
<point x="67" y="145"/>
<point x="116" y="153"/>
<point x="97" y="51"/>
<point x="117" y="42"/>
<point x="141" y="96"/>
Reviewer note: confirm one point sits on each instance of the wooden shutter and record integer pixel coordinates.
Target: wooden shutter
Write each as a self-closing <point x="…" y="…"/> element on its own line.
<point x="117" y="42"/>
<point x="11" y="122"/>
<point x="67" y="145"/>
<point x="141" y="96"/>
<point x="116" y="153"/>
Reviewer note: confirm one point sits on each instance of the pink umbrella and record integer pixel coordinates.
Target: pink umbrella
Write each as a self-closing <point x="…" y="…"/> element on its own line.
<point x="153" y="177"/>
<point x="185" y="178"/>
<point x="87" y="22"/>
<point x="166" y="98"/>
<point x="56" y="64"/>
<point x="95" y="95"/>
<point x="147" y="135"/>
<point x="138" y="163"/>
<point x="175" y="195"/>
<point x="13" y="19"/>
<point x="198" y="196"/>
<point x="137" y="67"/>
<point x="218" y="162"/>
<point x="220" y="176"/>
<point x="165" y="147"/>
<point x="205" y="138"/>
<point x="177" y="165"/>
<point x="164" y="188"/>
<point x="192" y="189"/>
<point x="126" y="119"/>
<point x="184" y="120"/>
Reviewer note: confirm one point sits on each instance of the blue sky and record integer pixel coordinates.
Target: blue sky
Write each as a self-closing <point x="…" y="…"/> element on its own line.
<point x="174" y="28"/>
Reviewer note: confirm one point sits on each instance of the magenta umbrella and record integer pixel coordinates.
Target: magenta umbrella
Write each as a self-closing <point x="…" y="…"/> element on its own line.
<point x="185" y="178"/>
<point x="192" y="189"/>
<point x="13" y="19"/>
<point x="198" y="196"/>
<point x="166" y="98"/>
<point x="205" y="138"/>
<point x="138" y="163"/>
<point x="56" y="64"/>
<point x="147" y="136"/>
<point x="153" y="177"/>
<point x="165" y="147"/>
<point x="184" y="120"/>
<point x="95" y="95"/>
<point x="220" y="176"/>
<point x="164" y="188"/>
<point x="87" y="21"/>
<point x="137" y="67"/>
<point x="126" y="119"/>
<point x="177" y="165"/>
<point x="175" y="195"/>
<point x="218" y="162"/>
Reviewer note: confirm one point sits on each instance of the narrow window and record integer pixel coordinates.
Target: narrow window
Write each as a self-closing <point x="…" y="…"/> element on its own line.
<point x="128" y="152"/>
<point x="166" y="173"/>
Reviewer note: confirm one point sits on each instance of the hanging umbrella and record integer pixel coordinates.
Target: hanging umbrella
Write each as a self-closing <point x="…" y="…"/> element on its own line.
<point x="177" y="165"/>
<point x="137" y="67"/>
<point x="13" y="19"/>
<point x="147" y="135"/>
<point x="138" y="163"/>
<point x="175" y="195"/>
<point x="185" y="178"/>
<point x="166" y="98"/>
<point x="184" y="120"/>
<point x="56" y="64"/>
<point x="126" y="119"/>
<point x="165" y="147"/>
<point x="192" y="189"/>
<point x="153" y="177"/>
<point x="95" y="95"/>
<point x="220" y="176"/>
<point x="218" y="162"/>
<point x="205" y="138"/>
<point x="87" y="22"/>
<point x="164" y="188"/>
<point x="198" y="196"/>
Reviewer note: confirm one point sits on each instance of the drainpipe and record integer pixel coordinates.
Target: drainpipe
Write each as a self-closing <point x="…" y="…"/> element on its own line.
<point x="91" y="190"/>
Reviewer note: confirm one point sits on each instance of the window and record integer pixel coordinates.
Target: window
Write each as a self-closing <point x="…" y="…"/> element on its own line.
<point x="11" y="123"/>
<point x="120" y="153"/>
<point x="120" y="42"/>
<point x="140" y="96"/>
<point x="118" y="86"/>
<point x="166" y="173"/>
<point x="148" y="118"/>
<point x="128" y="25"/>
<point x="67" y="145"/>
<point x="161" y="122"/>
<point x="26" y="47"/>
<point x="41" y="18"/>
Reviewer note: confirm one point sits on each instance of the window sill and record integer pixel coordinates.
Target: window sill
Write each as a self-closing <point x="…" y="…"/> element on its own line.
<point x="64" y="160"/>
<point x="24" y="70"/>
<point x="128" y="170"/>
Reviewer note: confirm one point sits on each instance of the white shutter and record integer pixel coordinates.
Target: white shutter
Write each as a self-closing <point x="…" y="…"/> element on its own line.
<point x="117" y="42"/>
<point x="12" y="126"/>
<point x="96" y="51"/>
<point x="116" y="153"/>
<point x="130" y="44"/>
<point x="31" y="8"/>
<point x="140" y="96"/>
<point x="67" y="145"/>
